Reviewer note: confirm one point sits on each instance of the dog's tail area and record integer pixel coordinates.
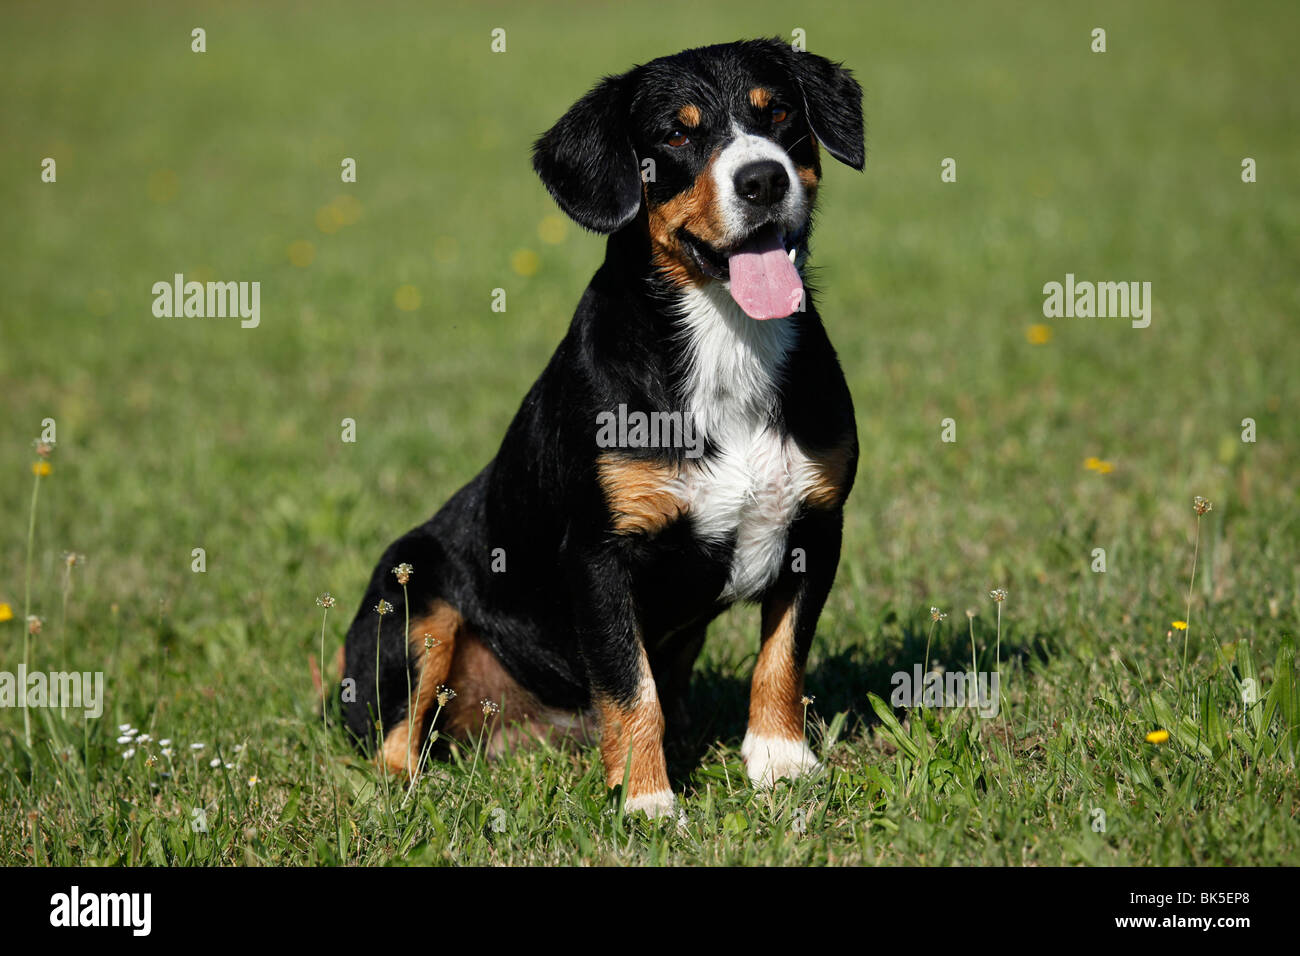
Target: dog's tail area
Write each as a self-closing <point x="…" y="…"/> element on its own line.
<point x="394" y="713"/>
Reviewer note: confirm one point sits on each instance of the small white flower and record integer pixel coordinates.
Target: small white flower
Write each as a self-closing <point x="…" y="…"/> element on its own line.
<point x="214" y="762"/>
<point x="196" y="746"/>
<point x="125" y="739"/>
<point x="230" y="766"/>
<point x="128" y="753"/>
<point x="124" y="727"/>
<point x="165" y="742"/>
<point x="167" y="752"/>
<point x="239" y="748"/>
<point x="143" y="738"/>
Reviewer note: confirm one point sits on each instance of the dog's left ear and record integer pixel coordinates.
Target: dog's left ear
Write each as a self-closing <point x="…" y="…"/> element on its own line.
<point x="833" y="101"/>
<point x="587" y="163"/>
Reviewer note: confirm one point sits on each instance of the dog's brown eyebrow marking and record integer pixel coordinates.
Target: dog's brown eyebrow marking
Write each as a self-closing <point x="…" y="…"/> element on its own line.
<point x="760" y="97"/>
<point x="689" y="115"/>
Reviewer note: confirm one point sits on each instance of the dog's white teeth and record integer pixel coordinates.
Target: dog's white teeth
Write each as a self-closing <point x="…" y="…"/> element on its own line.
<point x="792" y="252"/>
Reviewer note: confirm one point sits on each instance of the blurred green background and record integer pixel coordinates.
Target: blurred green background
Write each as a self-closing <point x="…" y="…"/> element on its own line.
<point x="375" y="298"/>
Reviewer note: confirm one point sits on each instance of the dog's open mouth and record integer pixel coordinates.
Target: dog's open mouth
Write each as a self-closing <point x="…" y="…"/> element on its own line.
<point x="761" y="272"/>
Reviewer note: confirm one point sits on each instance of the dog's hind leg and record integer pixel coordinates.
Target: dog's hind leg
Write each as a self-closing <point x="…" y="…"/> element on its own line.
<point x="431" y="641"/>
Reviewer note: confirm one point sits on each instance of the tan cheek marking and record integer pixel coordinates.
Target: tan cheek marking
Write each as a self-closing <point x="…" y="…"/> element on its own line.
<point x="760" y="97"/>
<point x="689" y="115"/>
<point x="639" y="494"/>
<point x="775" y="710"/>
<point x="634" y="732"/>
<point x="696" y="210"/>
<point x="830" y="487"/>
<point x="442" y="623"/>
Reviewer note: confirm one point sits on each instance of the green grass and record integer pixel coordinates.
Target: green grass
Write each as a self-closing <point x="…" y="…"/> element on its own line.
<point x="186" y="433"/>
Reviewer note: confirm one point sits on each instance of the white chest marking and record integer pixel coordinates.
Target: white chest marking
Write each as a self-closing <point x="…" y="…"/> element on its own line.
<point x="751" y="485"/>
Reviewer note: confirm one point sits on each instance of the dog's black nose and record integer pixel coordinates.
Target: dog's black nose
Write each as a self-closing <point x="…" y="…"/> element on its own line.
<point x="764" y="183"/>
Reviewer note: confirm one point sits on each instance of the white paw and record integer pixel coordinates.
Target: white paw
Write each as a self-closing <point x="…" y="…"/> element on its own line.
<point x="661" y="803"/>
<point x="768" y="759"/>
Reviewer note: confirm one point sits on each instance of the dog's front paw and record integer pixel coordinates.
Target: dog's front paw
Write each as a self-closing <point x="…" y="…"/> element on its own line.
<point x="768" y="759"/>
<point x="661" y="803"/>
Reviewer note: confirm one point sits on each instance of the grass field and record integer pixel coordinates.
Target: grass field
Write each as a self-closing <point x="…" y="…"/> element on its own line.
<point x="1072" y="434"/>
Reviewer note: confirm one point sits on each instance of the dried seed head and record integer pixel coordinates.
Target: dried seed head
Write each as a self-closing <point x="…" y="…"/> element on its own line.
<point x="383" y="607"/>
<point x="489" y="709"/>
<point x="445" y="694"/>
<point x="1201" y="505"/>
<point x="325" y="600"/>
<point x="403" y="572"/>
<point x="998" y="594"/>
<point x="936" y="614"/>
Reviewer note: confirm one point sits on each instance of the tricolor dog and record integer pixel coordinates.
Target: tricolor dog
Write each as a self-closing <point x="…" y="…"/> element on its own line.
<point x="572" y="581"/>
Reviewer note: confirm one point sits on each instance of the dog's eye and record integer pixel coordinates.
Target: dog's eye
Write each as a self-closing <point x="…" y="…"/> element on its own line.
<point x="677" y="139"/>
<point x="779" y="114"/>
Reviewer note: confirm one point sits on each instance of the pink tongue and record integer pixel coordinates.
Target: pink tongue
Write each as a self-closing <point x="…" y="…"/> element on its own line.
<point x="764" y="282"/>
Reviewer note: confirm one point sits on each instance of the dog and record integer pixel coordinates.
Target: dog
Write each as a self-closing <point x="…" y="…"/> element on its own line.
<point x="571" y="582"/>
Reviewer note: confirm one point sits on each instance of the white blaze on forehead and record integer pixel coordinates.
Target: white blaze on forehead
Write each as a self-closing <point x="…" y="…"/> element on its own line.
<point x="743" y="149"/>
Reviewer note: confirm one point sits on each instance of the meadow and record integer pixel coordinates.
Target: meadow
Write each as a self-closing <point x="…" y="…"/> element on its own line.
<point x="1149" y="714"/>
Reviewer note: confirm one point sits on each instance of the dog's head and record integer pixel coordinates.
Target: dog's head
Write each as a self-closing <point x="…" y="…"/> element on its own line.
<point x="719" y="147"/>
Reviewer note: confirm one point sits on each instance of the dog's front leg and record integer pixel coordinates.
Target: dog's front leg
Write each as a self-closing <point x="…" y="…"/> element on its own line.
<point x="774" y="741"/>
<point x="623" y="688"/>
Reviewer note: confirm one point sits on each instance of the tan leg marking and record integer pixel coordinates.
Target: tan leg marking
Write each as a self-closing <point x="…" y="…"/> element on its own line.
<point x="775" y="710"/>
<point x="774" y="748"/>
<point x="635" y="731"/>
<point x="443" y="625"/>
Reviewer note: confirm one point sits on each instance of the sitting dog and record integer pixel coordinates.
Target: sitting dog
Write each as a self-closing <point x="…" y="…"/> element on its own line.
<point x="691" y="443"/>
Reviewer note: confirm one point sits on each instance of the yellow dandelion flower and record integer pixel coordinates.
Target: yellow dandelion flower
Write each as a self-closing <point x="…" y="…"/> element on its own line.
<point x="525" y="262"/>
<point x="329" y="220"/>
<point x="1180" y="625"/>
<point x="6" y="612"/>
<point x="407" y="298"/>
<point x="347" y="209"/>
<point x="552" y="230"/>
<point x="1158" y="737"/>
<point x="301" y="253"/>
<point x="41" y="469"/>
<point x="1039" y="334"/>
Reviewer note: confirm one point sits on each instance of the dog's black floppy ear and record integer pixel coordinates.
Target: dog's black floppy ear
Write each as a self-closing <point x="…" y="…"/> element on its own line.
<point x="587" y="163"/>
<point x="833" y="101"/>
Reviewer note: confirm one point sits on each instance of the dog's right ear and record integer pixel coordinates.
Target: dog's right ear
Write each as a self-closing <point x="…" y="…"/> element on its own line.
<point x="587" y="163"/>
